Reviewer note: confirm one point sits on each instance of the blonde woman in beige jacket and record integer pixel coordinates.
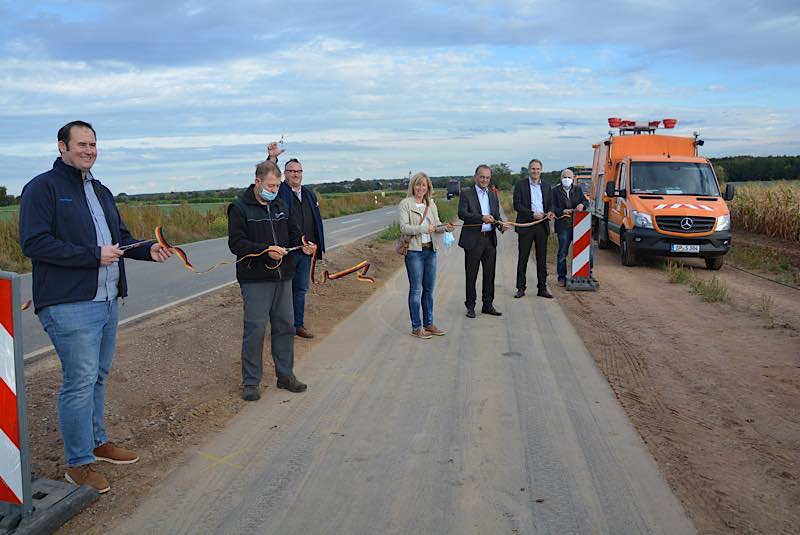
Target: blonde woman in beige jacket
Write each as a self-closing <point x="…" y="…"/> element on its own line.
<point x="421" y="257"/>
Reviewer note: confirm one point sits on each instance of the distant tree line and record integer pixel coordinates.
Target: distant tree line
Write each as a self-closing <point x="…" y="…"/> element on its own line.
<point x="728" y="169"/>
<point x="6" y="199"/>
<point x="749" y="168"/>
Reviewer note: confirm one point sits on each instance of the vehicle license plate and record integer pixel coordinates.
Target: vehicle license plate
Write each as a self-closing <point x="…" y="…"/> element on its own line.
<point x="683" y="248"/>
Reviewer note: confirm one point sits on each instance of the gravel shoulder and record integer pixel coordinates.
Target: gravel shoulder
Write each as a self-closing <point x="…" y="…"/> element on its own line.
<point x="176" y="380"/>
<point x="712" y="388"/>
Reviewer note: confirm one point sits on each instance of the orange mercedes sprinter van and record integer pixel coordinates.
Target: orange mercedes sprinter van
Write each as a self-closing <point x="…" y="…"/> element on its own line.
<point x="653" y="194"/>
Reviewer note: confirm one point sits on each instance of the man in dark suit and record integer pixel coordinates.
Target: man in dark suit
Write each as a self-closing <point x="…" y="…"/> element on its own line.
<point x="532" y="201"/>
<point x="303" y="201"/>
<point x="478" y="205"/>
<point x="567" y="198"/>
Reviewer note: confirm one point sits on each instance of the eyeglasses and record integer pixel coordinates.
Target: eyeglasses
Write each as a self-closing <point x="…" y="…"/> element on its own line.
<point x="294" y="170"/>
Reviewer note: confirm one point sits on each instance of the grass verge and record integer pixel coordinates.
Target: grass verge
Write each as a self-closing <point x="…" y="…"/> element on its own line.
<point x="778" y="266"/>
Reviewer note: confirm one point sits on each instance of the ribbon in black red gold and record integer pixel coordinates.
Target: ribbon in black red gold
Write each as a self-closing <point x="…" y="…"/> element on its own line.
<point x="359" y="269"/>
<point x="188" y="265"/>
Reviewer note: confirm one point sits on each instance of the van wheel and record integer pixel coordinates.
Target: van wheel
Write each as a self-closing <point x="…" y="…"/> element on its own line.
<point x="602" y="235"/>
<point x="626" y="253"/>
<point x="714" y="263"/>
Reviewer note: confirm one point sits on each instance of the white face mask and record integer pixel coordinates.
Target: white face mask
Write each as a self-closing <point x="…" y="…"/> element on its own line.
<point x="566" y="182"/>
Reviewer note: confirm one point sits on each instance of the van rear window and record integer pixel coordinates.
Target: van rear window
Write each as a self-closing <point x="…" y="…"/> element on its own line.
<point x="673" y="178"/>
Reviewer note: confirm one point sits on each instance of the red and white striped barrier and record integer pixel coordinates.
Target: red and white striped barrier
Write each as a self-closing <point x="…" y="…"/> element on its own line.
<point x="581" y="241"/>
<point x="581" y="279"/>
<point x="10" y="455"/>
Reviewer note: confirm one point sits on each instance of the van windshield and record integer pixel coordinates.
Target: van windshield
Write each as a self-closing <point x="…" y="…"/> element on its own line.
<point x="673" y="178"/>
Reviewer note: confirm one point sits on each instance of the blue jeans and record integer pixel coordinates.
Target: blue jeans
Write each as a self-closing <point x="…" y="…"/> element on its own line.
<point x="84" y="335"/>
<point x="421" y="269"/>
<point x="564" y="241"/>
<point x="300" y="284"/>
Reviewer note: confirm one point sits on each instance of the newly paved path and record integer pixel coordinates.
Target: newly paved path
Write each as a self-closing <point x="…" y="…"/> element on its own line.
<point x="152" y="286"/>
<point x="505" y="425"/>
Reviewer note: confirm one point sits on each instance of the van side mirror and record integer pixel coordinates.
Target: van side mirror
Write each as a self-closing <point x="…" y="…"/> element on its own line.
<point x="610" y="191"/>
<point x="730" y="192"/>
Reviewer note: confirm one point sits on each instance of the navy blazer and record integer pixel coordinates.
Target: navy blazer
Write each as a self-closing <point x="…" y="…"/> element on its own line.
<point x="469" y="211"/>
<point x="285" y="192"/>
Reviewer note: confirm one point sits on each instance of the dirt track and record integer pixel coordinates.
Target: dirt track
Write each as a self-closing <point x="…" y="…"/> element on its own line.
<point x="714" y="389"/>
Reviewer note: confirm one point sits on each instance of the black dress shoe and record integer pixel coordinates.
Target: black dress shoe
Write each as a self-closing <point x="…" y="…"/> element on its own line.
<point x="470" y="312"/>
<point x="520" y="293"/>
<point x="491" y="311"/>
<point x="291" y="384"/>
<point x="544" y="293"/>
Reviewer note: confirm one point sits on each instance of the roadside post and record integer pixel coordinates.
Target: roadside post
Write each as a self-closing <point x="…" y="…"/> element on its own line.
<point x="580" y="281"/>
<point x="26" y="507"/>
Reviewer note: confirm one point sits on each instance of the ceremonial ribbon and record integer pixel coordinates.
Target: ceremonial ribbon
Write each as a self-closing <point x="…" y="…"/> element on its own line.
<point x="188" y="265"/>
<point x="360" y="269"/>
<point x="509" y="223"/>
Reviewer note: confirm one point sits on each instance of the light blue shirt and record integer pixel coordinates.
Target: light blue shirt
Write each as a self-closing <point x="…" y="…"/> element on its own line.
<point x="483" y="198"/>
<point x="537" y="204"/>
<point x="107" y="276"/>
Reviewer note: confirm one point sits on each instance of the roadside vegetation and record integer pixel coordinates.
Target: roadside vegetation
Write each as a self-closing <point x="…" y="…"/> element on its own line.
<point x="772" y="209"/>
<point x="712" y="290"/>
<point x="190" y="222"/>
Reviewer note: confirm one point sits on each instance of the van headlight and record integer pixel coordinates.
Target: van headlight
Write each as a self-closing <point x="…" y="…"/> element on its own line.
<point x="723" y="223"/>
<point x="641" y="219"/>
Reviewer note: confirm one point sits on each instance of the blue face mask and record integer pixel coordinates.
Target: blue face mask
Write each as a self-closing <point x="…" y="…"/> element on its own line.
<point x="448" y="239"/>
<point x="268" y="195"/>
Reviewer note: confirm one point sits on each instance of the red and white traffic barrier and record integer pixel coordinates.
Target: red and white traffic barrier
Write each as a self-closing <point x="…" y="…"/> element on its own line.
<point x="10" y="454"/>
<point x="581" y="279"/>
<point x="581" y="241"/>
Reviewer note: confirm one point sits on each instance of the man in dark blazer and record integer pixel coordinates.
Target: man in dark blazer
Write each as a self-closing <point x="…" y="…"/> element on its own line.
<point x="303" y="201"/>
<point x="478" y="206"/>
<point x="532" y="201"/>
<point x="567" y="198"/>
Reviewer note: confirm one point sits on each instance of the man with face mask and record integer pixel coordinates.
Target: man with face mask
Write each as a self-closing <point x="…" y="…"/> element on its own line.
<point x="258" y="219"/>
<point x="567" y="198"/>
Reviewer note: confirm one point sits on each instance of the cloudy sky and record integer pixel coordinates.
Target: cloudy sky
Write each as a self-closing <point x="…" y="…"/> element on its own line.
<point x="185" y="94"/>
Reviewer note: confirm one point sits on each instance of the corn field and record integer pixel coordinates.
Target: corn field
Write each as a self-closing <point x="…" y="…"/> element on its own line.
<point x="772" y="209"/>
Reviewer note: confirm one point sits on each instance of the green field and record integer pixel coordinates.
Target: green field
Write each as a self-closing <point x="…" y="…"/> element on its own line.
<point x="8" y="212"/>
<point x="185" y="223"/>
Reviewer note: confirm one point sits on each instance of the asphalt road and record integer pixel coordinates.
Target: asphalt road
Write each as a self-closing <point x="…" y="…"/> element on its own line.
<point x="152" y="286"/>
<point x="505" y="425"/>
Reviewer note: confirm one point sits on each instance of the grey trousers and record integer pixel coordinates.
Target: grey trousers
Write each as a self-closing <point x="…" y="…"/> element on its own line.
<point x="267" y="301"/>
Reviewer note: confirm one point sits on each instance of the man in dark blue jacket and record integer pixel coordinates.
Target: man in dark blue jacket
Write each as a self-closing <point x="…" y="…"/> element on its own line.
<point x="302" y="203"/>
<point x="70" y="228"/>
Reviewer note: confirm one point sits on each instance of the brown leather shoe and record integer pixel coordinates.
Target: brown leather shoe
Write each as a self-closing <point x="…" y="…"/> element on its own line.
<point x="85" y="475"/>
<point x="421" y="333"/>
<point x="434" y="330"/>
<point x="111" y="453"/>
<point x="303" y="333"/>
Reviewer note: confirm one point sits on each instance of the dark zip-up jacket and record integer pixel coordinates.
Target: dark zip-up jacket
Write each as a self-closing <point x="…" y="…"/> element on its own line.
<point x="562" y="201"/>
<point x="252" y="227"/>
<point x="57" y="233"/>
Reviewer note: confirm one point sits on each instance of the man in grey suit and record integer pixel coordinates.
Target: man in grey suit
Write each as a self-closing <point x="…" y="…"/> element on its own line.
<point x="478" y="206"/>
